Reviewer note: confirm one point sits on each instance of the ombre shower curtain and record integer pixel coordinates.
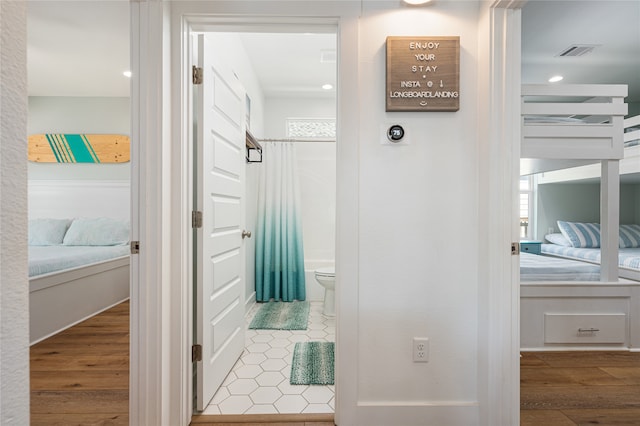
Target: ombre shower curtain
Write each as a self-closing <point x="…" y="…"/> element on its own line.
<point x="279" y="253"/>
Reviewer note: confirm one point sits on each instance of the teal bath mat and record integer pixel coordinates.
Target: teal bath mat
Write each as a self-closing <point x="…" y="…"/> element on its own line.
<point x="312" y="363"/>
<point x="281" y="316"/>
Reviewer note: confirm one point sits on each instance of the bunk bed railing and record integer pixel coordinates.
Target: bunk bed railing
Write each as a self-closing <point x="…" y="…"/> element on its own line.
<point x="581" y="122"/>
<point x="632" y="129"/>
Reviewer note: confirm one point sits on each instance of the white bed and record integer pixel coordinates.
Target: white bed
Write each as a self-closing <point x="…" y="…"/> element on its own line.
<point x="628" y="264"/>
<point x="63" y="297"/>
<point x="535" y="267"/>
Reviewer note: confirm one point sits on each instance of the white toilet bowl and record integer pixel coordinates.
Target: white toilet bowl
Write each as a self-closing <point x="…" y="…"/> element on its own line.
<point x="327" y="279"/>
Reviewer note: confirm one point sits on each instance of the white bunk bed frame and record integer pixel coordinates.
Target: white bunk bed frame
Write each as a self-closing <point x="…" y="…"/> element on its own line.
<point x="62" y="299"/>
<point x="629" y="164"/>
<point x="573" y="315"/>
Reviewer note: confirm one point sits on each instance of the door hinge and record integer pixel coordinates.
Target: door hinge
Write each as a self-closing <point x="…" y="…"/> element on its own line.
<point x="196" y="219"/>
<point x="196" y="74"/>
<point x="135" y="247"/>
<point x="196" y="353"/>
<point x="515" y="249"/>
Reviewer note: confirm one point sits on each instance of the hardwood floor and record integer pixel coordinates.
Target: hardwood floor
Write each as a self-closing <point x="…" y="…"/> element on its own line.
<point x="579" y="388"/>
<point x="81" y="375"/>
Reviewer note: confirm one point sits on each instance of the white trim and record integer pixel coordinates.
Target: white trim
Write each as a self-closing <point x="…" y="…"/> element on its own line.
<point x="347" y="223"/>
<point x="346" y="160"/>
<point x="499" y="381"/>
<point x="156" y="352"/>
<point x="79" y="198"/>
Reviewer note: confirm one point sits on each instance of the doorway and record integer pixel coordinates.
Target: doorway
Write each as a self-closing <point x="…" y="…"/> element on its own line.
<point x="79" y="317"/>
<point x="259" y="381"/>
<point x="565" y="180"/>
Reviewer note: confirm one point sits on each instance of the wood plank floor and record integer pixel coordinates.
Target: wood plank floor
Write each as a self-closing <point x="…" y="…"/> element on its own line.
<point x="579" y="388"/>
<point x="81" y="375"/>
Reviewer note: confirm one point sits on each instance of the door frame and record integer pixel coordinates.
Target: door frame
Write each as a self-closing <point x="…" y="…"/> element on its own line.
<point x="216" y="23"/>
<point x="161" y="323"/>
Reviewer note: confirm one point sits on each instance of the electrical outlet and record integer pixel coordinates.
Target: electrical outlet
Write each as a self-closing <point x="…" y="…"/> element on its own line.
<point x="420" y="349"/>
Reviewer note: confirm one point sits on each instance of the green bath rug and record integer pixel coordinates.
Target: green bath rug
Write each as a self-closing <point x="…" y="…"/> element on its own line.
<point x="312" y="363"/>
<point x="281" y="316"/>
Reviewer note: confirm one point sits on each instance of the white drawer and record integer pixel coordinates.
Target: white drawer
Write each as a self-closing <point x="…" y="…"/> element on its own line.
<point x="585" y="328"/>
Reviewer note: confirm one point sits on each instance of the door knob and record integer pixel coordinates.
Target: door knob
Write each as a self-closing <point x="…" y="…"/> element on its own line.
<point x="246" y="234"/>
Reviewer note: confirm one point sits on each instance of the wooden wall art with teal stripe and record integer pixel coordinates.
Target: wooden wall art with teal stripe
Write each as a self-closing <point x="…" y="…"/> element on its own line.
<point x="78" y="148"/>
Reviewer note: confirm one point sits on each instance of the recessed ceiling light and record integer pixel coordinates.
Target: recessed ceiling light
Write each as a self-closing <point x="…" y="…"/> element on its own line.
<point x="555" y="79"/>
<point x="327" y="86"/>
<point x="416" y="2"/>
<point x="127" y="74"/>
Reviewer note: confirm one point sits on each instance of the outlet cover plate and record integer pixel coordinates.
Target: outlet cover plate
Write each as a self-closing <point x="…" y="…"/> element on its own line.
<point x="420" y="349"/>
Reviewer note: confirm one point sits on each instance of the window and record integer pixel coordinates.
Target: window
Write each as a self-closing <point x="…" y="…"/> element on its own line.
<point x="311" y="128"/>
<point x="526" y="207"/>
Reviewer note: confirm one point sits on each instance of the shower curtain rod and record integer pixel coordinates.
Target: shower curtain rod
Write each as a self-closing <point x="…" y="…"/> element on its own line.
<point x="296" y="140"/>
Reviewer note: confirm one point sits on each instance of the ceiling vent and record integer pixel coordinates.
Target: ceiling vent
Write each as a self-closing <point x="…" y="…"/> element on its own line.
<point x="578" y="50"/>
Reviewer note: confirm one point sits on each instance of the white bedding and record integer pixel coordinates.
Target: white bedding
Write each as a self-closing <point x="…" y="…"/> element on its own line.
<point x="546" y="268"/>
<point x="48" y="259"/>
<point x="628" y="257"/>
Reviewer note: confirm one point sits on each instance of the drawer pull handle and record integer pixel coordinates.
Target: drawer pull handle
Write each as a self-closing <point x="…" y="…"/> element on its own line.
<point x="588" y="330"/>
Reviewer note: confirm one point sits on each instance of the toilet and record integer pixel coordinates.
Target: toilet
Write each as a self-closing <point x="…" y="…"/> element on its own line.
<point x="327" y="279"/>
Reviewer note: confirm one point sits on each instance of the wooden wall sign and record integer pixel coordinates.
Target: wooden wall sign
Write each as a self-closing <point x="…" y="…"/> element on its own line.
<point x="423" y="74"/>
<point x="78" y="148"/>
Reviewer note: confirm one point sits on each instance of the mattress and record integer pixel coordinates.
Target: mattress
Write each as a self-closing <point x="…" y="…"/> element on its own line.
<point x="627" y="258"/>
<point x="546" y="268"/>
<point x="48" y="259"/>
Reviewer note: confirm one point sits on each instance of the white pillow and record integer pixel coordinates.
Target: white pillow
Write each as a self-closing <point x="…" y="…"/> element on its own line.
<point x="47" y="232"/>
<point x="582" y="235"/>
<point x="558" y="239"/>
<point x="629" y="236"/>
<point x="101" y="231"/>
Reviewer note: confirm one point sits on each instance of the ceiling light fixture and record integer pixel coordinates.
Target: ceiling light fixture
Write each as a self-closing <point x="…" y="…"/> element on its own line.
<point x="555" y="79"/>
<point x="416" y="2"/>
<point x="327" y="86"/>
<point x="127" y="74"/>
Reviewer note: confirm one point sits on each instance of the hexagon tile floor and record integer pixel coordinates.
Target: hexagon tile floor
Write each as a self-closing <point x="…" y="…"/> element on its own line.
<point x="259" y="382"/>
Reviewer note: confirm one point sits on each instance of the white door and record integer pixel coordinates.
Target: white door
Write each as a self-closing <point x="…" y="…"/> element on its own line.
<point x="219" y="196"/>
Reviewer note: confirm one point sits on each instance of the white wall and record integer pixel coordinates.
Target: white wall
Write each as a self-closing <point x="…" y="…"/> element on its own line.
<point x="579" y="202"/>
<point x="575" y="203"/>
<point x="418" y="244"/>
<point x="57" y="114"/>
<point x="14" y="301"/>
